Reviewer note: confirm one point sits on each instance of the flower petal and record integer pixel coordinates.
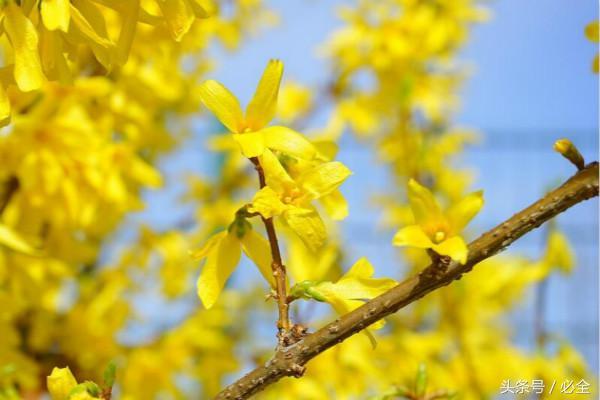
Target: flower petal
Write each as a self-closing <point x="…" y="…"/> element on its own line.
<point x="308" y="225"/>
<point x="55" y="14"/>
<point x="179" y="16"/>
<point x="222" y="103"/>
<point x="358" y="283"/>
<point x="342" y="305"/>
<point x="251" y="144"/>
<point x="414" y="236"/>
<point x="4" y="107"/>
<point x="335" y="205"/>
<point x="24" y="40"/>
<point x="258" y="250"/>
<point x="88" y="21"/>
<point x="454" y="247"/>
<point x="60" y="383"/>
<point x="208" y="246"/>
<point x="220" y="263"/>
<point x="424" y="206"/>
<point x="276" y="176"/>
<point x="559" y="252"/>
<point x="52" y="56"/>
<point x="267" y="203"/>
<point x="263" y="105"/>
<point x="129" y="17"/>
<point x="202" y="9"/>
<point x="288" y="141"/>
<point x="462" y="212"/>
<point x="324" y="178"/>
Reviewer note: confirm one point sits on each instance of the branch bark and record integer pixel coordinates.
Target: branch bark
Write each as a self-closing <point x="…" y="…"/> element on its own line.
<point x="279" y="273"/>
<point x="291" y="360"/>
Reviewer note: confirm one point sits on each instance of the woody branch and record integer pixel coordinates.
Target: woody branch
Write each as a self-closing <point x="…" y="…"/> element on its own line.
<point x="279" y="273"/>
<point x="291" y="360"/>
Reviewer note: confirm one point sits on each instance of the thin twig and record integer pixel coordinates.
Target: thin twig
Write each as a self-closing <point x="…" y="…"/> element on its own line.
<point x="291" y="360"/>
<point x="279" y="272"/>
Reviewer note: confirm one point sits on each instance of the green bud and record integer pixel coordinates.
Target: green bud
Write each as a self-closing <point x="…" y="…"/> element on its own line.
<point x="84" y="391"/>
<point x="313" y="293"/>
<point x="239" y="226"/>
<point x="92" y="388"/>
<point x="306" y="290"/>
<point x="110" y="374"/>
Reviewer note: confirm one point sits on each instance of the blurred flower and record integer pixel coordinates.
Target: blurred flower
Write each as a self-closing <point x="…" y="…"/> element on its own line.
<point x="592" y="32"/>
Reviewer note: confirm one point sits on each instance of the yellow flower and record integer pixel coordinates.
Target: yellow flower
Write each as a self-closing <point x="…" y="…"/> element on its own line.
<point x="250" y="130"/>
<point x="60" y="383"/>
<point x="292" y="198"/>
<point x="222" y="252"/>
<point x="24" y="40"/>
<point x="437" y="230"/>
<point x="559" y="253"/>
<point x="350" y="291"/>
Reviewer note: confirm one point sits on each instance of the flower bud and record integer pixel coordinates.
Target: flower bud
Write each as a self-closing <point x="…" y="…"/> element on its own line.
<point x="570" y="152"/>
<point x="60" y="383"/>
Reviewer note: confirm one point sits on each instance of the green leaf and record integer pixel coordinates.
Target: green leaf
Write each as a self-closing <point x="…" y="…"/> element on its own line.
<point x="110" y="374"/>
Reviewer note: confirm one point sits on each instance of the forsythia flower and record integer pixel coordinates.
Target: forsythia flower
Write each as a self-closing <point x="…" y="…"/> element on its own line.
<point x="291" y="198"/>
<point x="350" y="291"/>
<point x="222" y="252"/>
<point x="250" y="130"/>
<point x="48" y="36"/>
<point x="435" y="229"/>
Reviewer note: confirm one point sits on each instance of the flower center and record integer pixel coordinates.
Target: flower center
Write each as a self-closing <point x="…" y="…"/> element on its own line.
<point x="439" y="236"/>
<point x="292" y="195"/>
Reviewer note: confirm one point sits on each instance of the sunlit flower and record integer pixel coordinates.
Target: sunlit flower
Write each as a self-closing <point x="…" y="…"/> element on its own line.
<point x="350" y="291"/>
<point x="222" y="253"/>
<point x="250" y="129"/>
<point x="435" y="229"/>
<point x="292" y="198"/>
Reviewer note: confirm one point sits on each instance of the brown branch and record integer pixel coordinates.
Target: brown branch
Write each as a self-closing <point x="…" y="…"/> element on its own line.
<point x="290" y="361"/>
<point x="279" y="273"/>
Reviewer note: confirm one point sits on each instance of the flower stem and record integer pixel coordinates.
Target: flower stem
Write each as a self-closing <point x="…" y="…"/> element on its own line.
<point x="279" y="272"/>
